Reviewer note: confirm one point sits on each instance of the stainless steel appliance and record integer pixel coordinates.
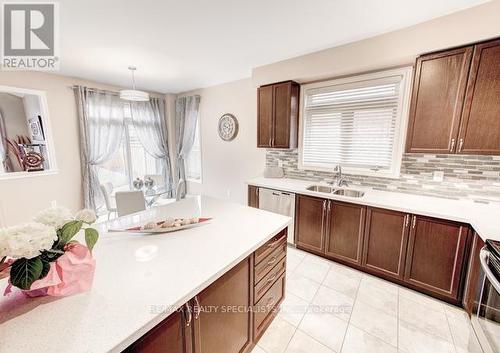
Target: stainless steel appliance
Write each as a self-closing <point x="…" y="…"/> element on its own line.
<point x="279" y="202"/>
<point x="486" y="320"/>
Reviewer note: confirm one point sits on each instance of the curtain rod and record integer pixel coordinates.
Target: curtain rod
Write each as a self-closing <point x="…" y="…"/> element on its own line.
<point x="73" y="87"/>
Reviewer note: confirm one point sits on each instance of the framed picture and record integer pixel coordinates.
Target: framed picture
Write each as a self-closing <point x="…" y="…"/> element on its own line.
<point x="36" y="129"/>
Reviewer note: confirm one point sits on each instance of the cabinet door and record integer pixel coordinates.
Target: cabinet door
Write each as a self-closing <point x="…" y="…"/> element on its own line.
<point x="253" y="196"/>
<point x="435" y="258"/>
<point x="282" y="96"/>
<point x="265" y="116"/>
<point x="386" y="238"/>
<point x="223" y="324"/>
<point x="310" y="221"/>
<point x="168" y="336"/>
<point x="344" y="235"/>
<point x="480" y="128"/>
<point x="437" y="100"/>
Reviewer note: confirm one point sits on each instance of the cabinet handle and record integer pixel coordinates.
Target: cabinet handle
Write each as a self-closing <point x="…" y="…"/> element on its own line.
<point x="460" y="145"/>
<point x="270" y="301"/>
<point x="452" y="145"/>
<point x="197" y="308"/>
<point x="406" y="220"/>
<point x="189" y="317"/>
<point x="329" y="206"/>
<point x="273" y="141"/>
<point x="273" y="261"/>
<point x="273" y="244"/>
<point x="414" y="222"/>
<point x="272" y="278"/>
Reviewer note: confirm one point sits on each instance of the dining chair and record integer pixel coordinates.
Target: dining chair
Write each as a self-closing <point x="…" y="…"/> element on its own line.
<point x="181" y="184"/>
<point x="107" y="191"/>
<point x="128" y="202"/>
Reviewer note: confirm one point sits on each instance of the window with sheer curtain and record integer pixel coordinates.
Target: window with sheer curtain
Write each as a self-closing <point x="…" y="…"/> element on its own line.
<point x="357" y="123"/>
<point x="130" y="161"/>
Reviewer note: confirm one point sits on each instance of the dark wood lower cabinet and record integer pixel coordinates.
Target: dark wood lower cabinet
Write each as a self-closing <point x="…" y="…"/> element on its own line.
<point x="224" y="322"/>
<point x="253" y="196"/>
<point x="226" y="317"/>
<point x="436" y="255"/>
<point x="344" y="231"/>
<point x="386" y="238"/>
<point x="419" y="252"/>
<point x="310" y="222"/>
<point x="167" y="337"/>
<point x="472" y="287"/>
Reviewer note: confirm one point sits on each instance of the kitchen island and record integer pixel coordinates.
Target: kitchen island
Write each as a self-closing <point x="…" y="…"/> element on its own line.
<point x="140" y="279"/>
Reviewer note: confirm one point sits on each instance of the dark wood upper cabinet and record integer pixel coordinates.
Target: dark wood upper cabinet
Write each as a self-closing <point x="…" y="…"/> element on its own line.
<point x="253" y="196"/>
<point x="310" y="223"/>
<point x="438" y="93"/>
<point x="169" y="336"/>
<point x="224" y="330"/>
<point x="480" y="127"/>
<point x="386" y="238"/>
<point x="344" y="234"/>
<point x="436" y="255"/>
<point x="265" y="116"/>
<point x="277" y="115"/>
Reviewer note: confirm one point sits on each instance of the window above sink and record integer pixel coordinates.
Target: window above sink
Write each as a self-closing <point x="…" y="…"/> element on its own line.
<point x="357" y="122"/>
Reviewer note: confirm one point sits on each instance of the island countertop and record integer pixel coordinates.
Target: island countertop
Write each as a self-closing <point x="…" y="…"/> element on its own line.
<point x="137" y="278"/>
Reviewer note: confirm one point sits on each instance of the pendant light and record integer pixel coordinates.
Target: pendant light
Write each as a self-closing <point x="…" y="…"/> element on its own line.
<point x="133" y="94"/>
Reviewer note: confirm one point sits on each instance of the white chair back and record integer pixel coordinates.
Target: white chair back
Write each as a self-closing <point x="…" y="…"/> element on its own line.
<point x="128" y="202"/>
<point x="180" y="188"/>
<point x="107" y="191"/>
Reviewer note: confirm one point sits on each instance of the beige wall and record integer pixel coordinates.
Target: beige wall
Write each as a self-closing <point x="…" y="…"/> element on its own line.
<point x="388" y="50"/>
<point x="21" y="198"/>
<point x="227" y="165"/>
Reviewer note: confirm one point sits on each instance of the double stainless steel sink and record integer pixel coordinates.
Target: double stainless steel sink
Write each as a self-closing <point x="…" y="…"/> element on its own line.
<point x="330" y="190"/>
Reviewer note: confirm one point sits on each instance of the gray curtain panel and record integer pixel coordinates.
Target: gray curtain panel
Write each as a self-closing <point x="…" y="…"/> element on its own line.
<point x="151" y="127"/>
<point x="4" y="152"/>
<point x="186" y="114"/>
<point x="101" y="131"/>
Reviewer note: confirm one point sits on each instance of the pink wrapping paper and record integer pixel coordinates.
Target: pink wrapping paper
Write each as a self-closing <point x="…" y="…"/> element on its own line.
<point x="70" y="274"/>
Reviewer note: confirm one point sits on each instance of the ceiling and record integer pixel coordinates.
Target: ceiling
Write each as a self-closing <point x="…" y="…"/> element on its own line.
<point x="187" y="44"/>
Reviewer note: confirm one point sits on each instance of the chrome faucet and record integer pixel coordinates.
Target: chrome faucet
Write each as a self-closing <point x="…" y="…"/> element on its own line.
<point x="339" y="179"/>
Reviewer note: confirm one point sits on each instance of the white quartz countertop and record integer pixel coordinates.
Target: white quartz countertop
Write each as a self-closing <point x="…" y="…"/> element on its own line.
<point x="484" y="218"/>
<point x="137" y="276"/>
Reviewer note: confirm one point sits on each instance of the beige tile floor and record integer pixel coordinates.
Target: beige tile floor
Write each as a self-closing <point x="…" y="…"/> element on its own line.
<point x="333" y="308"/>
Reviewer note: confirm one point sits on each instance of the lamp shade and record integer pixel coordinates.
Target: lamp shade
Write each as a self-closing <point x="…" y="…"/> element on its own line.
<point x="134" y="95"/>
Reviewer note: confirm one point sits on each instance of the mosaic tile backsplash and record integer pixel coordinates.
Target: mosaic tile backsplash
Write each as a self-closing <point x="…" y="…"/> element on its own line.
<point x="465" y="177"/>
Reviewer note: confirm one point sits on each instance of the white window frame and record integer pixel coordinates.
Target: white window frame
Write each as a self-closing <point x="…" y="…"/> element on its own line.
<point x="400" y="128"/>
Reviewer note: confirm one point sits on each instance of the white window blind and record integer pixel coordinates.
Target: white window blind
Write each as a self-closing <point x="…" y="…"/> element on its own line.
<point x="355" y="124"/>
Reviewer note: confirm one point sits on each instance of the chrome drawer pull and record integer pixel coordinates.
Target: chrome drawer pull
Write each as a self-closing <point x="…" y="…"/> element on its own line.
<point x="197" y="308"/>
<point x="272" y="278"/>
<point x="271" y="300"/>
<point x="189" y="317"/>
<point x="273" y="261"/>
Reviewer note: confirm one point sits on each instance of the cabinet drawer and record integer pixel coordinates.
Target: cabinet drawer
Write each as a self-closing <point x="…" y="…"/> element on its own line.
<point x="266" y="307"/>
<point x="267" y="281"/>
<point x="270" y="261"/>
<point x="270" y="246"/>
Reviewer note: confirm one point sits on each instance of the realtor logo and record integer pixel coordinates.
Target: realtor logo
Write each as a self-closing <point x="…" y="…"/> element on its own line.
<point x="30" y="36"/>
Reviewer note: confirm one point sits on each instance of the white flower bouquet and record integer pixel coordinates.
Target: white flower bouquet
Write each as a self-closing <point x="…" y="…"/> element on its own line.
<point x="42" y="258"/>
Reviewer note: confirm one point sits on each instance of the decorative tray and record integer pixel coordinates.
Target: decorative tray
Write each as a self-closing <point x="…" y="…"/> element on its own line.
<point x="160" y="229"/>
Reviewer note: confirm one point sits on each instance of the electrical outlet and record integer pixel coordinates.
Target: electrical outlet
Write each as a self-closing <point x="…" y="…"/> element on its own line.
<point x="438" y="175"/>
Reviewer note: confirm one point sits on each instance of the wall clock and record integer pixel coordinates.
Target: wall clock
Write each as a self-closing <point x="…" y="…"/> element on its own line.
<point x="228" y="127"/>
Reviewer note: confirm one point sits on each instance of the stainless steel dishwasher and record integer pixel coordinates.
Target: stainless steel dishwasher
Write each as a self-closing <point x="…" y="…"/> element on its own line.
<point x="279" y="202"/>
